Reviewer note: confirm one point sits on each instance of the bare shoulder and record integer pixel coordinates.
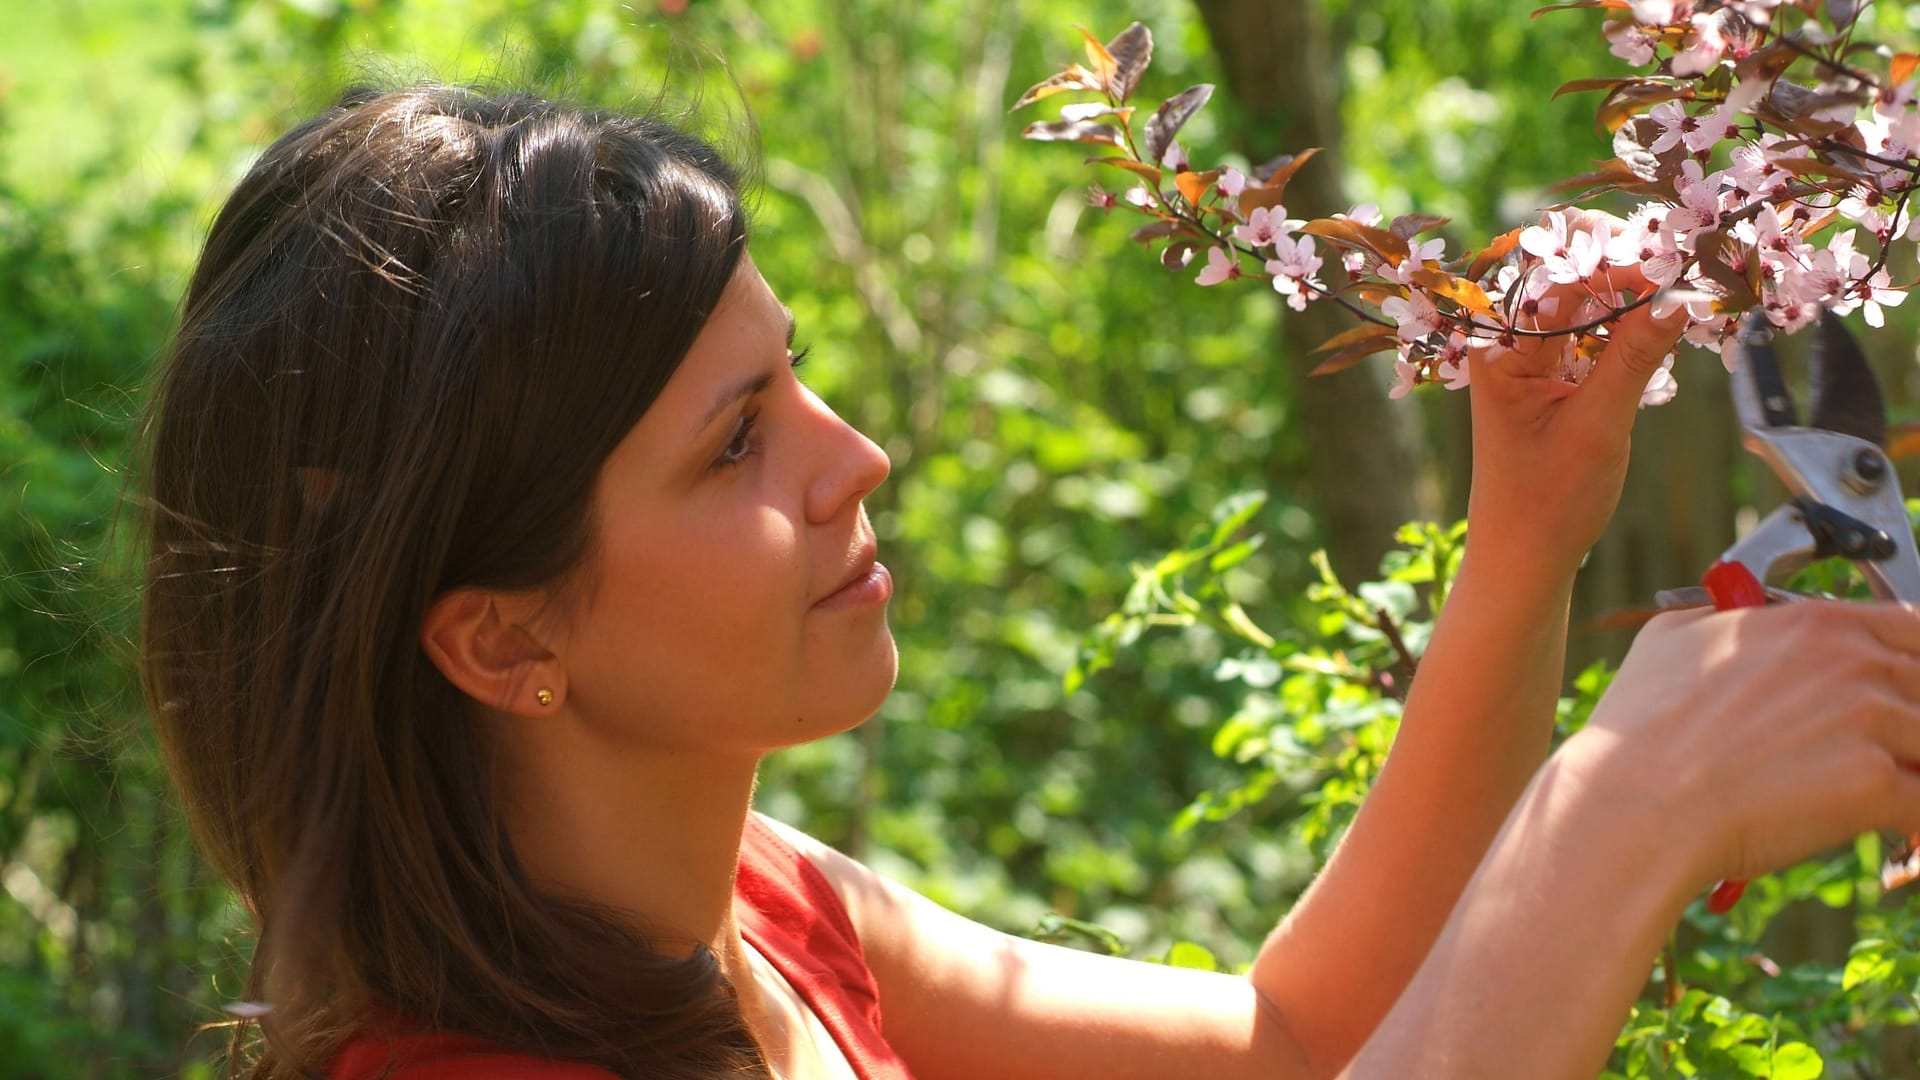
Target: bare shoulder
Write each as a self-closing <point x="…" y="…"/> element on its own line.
<point x="869" y="897"/>
<point x="960" y="999"/>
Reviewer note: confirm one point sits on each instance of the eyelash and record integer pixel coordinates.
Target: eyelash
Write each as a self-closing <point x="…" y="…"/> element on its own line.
<point x="748" y="447"/>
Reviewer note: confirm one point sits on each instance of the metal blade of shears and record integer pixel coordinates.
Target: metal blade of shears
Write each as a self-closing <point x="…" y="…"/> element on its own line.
<point x="1846" y="396"/>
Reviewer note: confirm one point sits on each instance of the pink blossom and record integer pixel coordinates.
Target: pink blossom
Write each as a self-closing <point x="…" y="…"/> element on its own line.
<point x="1570" y="254"/>
<point x="1754" y="168"/>
<point x="1175" y="157"/>
<point x="1231" y="183"/>
<point x="1875" y="293"/>
<point x="1652" y="12"/>
<point x="1292" y="268"/>
<point x="1708" y="130"/>
<point x="1453" y="369"/>
<point x="1220" y="267"/>
<point x="1416" y="316"/>
<point x="1420" y="256"/>
<point x="1548" y="239"/>
<point x="1705" y="45"/>
<point x="1626" y="41"/>
<point x="1265" y="226"/>
<point x="1662" y="386"/>
<point x="1366" y="213"/>
<point x="1405" y="375"/>
<point x="1643" y="242"/>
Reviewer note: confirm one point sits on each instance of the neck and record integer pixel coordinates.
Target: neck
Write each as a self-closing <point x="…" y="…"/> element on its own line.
<point x="648" y="832"/>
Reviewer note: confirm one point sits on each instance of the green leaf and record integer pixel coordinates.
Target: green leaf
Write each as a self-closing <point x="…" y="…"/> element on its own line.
<point x="1797" y="1061"/>
<point x="1186" y="954"/>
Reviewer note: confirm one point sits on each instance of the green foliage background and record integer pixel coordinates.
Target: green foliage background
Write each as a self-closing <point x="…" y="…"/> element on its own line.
<point x="1060" y="415"/>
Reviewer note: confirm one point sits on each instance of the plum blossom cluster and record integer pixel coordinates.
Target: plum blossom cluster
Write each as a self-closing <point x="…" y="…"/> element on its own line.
<point x="1762" y="167"/>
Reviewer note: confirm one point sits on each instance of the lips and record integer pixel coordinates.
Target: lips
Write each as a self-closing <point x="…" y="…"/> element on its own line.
<point x="862" y="568"/>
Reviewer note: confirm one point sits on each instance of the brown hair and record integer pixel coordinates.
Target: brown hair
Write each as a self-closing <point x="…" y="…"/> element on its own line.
<point x="420" y="325"/>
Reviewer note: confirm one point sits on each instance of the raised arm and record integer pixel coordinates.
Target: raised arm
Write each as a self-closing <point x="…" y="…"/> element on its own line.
<point x="1549" y="462"/>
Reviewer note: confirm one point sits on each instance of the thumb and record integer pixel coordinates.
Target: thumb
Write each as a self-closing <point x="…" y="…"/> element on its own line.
<point x="1636" y="345"/>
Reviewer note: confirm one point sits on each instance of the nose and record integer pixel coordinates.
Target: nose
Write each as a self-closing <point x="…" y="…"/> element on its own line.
<point x="847" y="468"/>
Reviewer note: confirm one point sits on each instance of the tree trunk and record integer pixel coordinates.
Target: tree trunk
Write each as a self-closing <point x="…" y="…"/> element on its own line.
<point x="1365" y="471"/>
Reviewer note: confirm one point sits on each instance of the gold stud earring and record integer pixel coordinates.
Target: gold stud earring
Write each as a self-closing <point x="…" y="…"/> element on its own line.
<point x="543" y="695"/>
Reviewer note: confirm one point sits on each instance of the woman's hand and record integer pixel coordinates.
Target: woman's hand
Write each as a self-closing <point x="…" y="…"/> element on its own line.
<point x="1764" y="734"/>
<point x="1550" y="457"/>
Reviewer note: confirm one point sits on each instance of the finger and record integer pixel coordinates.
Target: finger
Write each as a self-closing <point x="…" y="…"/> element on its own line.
<point x="1895" y="626"/>
<point x="1637" y="345"/>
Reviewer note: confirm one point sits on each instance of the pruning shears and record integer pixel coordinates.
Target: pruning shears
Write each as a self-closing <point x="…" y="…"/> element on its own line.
<point x="1846" y="500"/>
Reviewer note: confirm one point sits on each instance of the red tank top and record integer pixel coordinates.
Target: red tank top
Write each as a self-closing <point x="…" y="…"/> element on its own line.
<point x="786" y="909"/>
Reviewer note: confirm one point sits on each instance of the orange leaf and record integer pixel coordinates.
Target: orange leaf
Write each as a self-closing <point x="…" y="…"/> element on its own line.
<point x="1353" y="234"/>
<point x="1457" y="289"/>
<point x="1253" y="198"/>
<point x="1097" y="55"/>
<point x="1138" y="168"/>
<point x="1903" y="441"/>
<point x="1363" y="332"/>
<point x="1500" y="247"/>
<point x="1194" y="186"/>
<point x="1900" y="69"/>
<point x="1277" y="172"/>
<point x="1074" y="77"/>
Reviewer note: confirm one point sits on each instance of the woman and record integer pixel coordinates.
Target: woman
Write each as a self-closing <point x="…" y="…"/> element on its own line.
<point x="493" y="542"/>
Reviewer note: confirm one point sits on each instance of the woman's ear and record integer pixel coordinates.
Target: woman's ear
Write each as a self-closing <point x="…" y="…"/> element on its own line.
<point x="491" y="658"/>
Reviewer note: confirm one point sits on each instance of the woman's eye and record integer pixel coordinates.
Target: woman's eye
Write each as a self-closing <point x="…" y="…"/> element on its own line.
<point x="743" y="444"/>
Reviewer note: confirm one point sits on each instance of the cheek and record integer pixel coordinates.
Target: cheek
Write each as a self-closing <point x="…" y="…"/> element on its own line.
<point x="701" y="618"/>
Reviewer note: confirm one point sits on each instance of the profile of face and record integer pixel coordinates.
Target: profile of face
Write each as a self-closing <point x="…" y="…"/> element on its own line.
<point x="731" y="603"/>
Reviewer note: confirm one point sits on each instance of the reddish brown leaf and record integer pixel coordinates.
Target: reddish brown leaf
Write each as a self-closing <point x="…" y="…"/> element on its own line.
<point x="1490" y="256"/>
<point x="1457" y="289"/>
<point x="1086" y="131"/>
<point x="1074" y="77"/>
<point x="1156" y="230"/>
<point x="1194" y="186"/>
<point x="1408" y="226"/>
<point x="1631" y="146"/>
<point x="1728" y="263"/>
<point x="1765" y="64"/>
<point x="1901" y="67"/>
<point x="1172" y="114"/>
<point x="1138" y="168"/>
<point x="1178" y="254"/>
<point x="1353" y="354"/>
<point x="1581" y="86"/>
<point x="1572" y="4"/>
<point x="1130" y="51"/>
<point x="1355" y="335"/>
<point x="1253" y="198"/>
<point x="1627" y="101"/>
<point x="1353" y="234"/>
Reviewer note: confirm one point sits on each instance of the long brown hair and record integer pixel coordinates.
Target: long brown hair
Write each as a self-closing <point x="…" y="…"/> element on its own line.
<point x="420" y="325"/>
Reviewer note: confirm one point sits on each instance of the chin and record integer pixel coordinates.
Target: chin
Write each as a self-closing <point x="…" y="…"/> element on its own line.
<point x="853" y="696"/>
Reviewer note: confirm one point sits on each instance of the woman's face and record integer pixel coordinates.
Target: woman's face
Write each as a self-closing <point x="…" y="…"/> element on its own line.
<point x="729" y="519"/>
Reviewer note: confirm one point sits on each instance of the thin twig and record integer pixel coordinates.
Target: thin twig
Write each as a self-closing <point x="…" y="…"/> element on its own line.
<point x="1391" y="629"/>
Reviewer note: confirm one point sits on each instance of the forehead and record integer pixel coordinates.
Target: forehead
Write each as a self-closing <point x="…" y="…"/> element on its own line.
<point x="744" y="337"/>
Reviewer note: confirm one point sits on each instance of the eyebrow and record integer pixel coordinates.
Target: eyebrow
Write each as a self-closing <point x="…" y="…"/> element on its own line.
<point x="748" y="386"/>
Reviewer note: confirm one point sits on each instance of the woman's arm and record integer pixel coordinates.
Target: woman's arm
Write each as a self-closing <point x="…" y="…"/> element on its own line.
<point x="1477" y="725"/>
<point x="1729" y="745"/>
<point x="1549" y="463"/>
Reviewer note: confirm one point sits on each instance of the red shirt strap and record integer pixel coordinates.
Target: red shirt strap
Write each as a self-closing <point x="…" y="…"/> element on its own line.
<point x="789" y="911"/>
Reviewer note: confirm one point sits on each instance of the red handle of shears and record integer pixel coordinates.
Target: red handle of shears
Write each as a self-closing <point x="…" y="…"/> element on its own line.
<point x="1731" y="585"/>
